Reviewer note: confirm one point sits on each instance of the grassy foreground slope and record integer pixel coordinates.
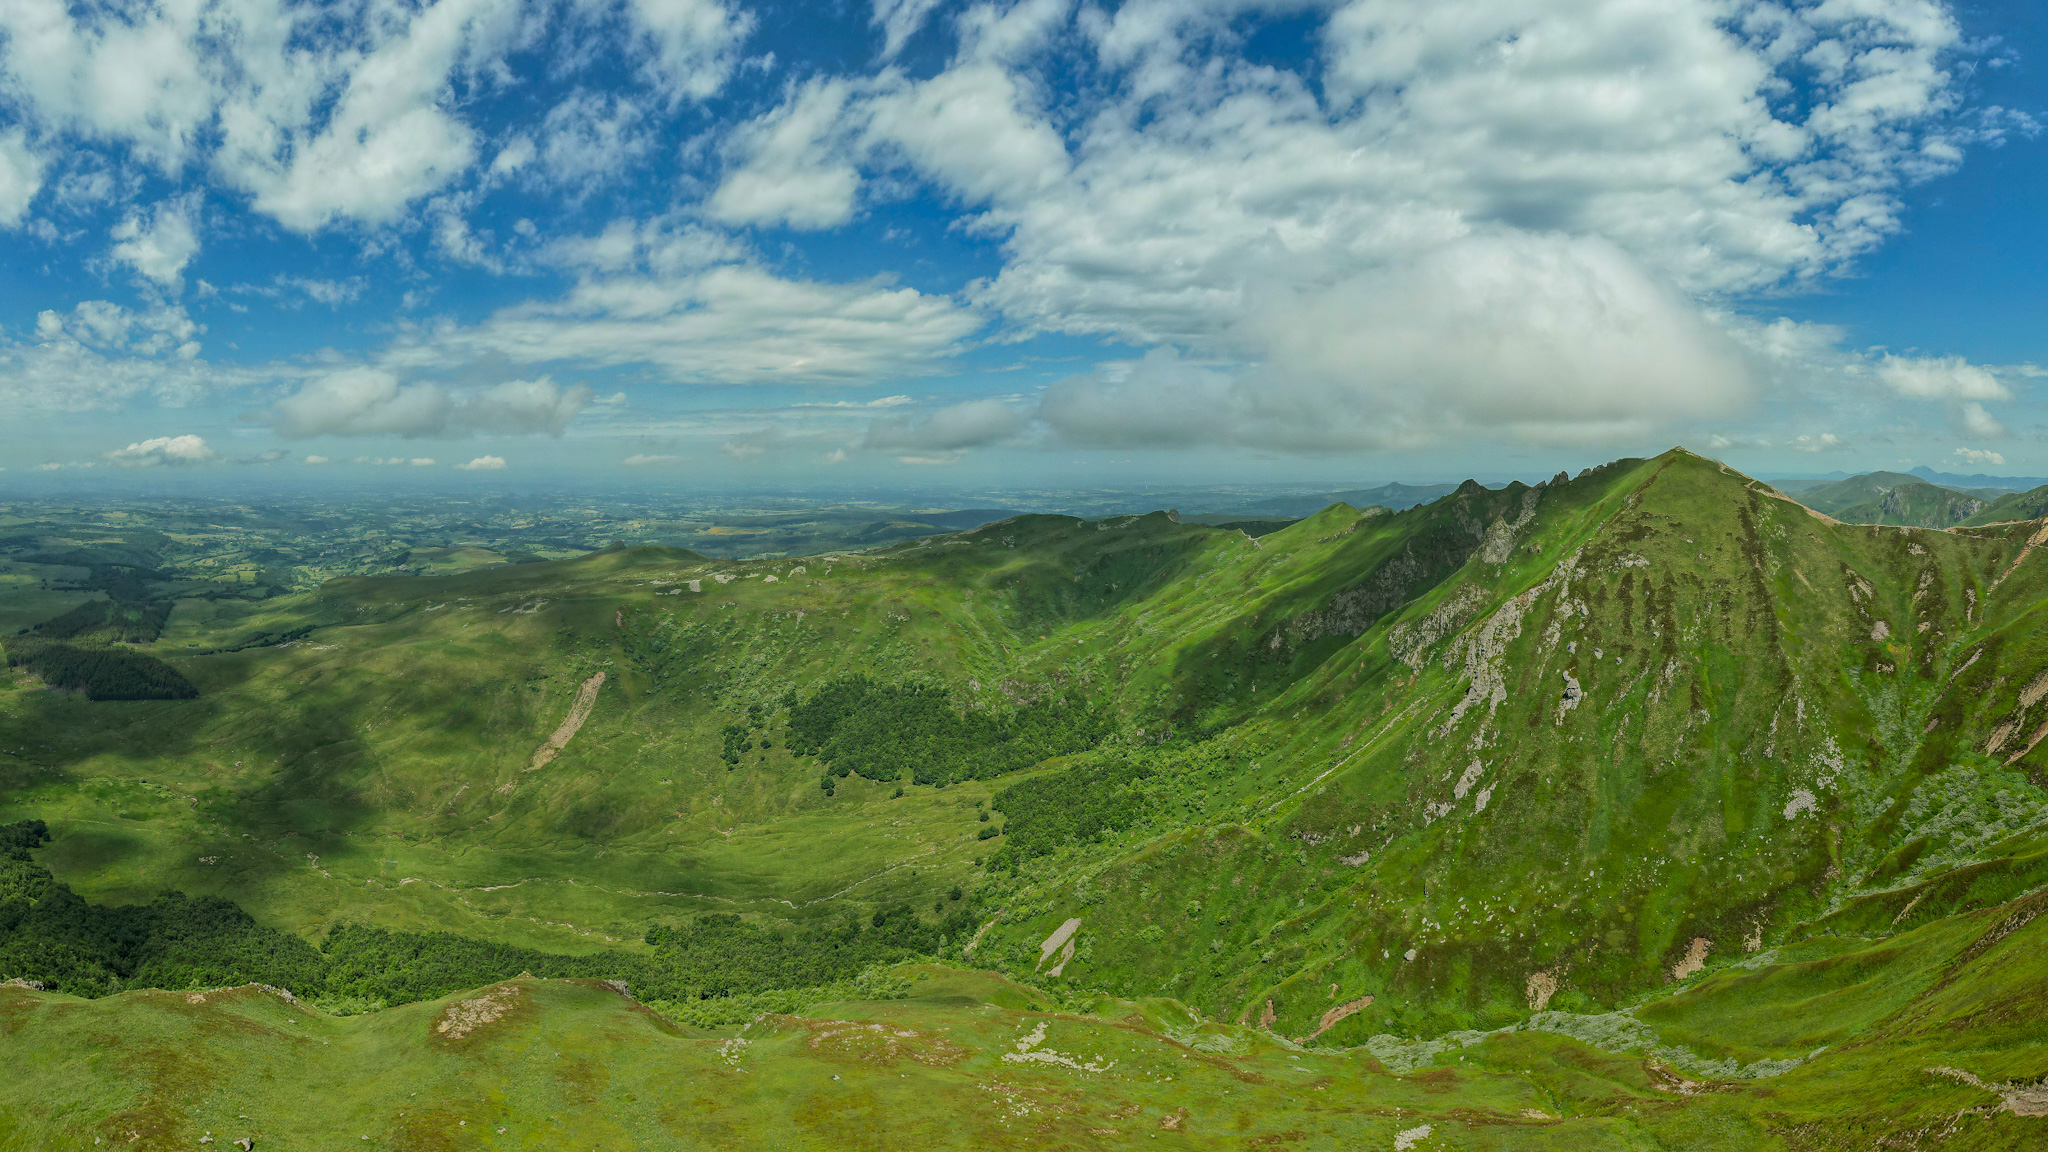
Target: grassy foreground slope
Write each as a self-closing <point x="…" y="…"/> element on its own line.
<point x="1946" y="1057"/>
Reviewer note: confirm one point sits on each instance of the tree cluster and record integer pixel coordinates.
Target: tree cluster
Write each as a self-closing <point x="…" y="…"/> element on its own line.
<point x="51" y="936"/>
<point x="858" y="725"/>
<point x="1075" y="805"/>
<point x="101" y="673"/>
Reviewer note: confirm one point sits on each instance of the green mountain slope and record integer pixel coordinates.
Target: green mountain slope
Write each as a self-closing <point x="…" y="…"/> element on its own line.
<point x="1368" y="780"/>
<point x="1894" y="498"/>
<point x="2029" y="505"/>
<point x="1944" y="1054"/>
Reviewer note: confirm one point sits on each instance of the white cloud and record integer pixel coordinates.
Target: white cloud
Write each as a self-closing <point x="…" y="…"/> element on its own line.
<point x="159" y="330"/>
<point x="21" y="176"/>
<point x="965" y="425"/>
<point x="1973" y="420"/>
<point x="1824" y="442"/>
<point x="1500" y="216"/>
<point x="643" y="460"/>
<point x="725" y="324"/>
<point x="694" y="43"/>
<point x="587" y="139"/>
<point x="365" y="401"/>
<point x="389" y="137"/>
<point x="1978" y="458"/>
<point x="795" y="165"/>
<point x="321" y="115"/>
<point x="317" y="460"/>
<point x="164" y="450"/>
<point x="100" y="355"/>
<point x="1940" y="378"/>
<point x="899" y="20"/>
<point x="131" y="74"/>
<point x="483" y="464"/>
<point x="421" y="461"/>
<point x="158" y="243"/>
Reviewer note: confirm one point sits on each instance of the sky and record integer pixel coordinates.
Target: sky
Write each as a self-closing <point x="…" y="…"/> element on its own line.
<point x="1044" y="243"/>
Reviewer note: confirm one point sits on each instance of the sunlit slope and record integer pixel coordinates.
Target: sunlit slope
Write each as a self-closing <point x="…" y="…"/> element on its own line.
<point x="1661" y="717"/>
<point x="380" y="763"/>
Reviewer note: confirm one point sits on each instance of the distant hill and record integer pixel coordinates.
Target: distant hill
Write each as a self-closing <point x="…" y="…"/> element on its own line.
<point x="1892" y="498"/>
<point x="1978" y="480"/>
<point x="2029" y="505"/>
<point x="1975" y="484"/>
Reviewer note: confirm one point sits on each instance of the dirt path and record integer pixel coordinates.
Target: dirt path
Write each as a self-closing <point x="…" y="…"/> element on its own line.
<point x="586" y="699"/>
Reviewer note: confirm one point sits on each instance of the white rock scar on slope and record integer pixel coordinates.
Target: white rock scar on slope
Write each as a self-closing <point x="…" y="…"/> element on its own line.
<point x="586" y="699"/>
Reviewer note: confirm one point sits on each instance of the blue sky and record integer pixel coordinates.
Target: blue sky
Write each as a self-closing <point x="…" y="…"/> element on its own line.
<point x="924" y="244"/>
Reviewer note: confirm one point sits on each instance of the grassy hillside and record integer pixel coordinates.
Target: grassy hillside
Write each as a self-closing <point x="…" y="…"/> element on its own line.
<point x="1894" y="498"/>
<point x="2029" y="505"/>
<point x="1835" y="1044"/>
<point x="1367" y="782"/>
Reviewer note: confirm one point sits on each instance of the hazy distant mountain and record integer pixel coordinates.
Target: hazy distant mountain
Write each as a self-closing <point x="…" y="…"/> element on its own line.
<point x="1398" y="497"/>
<point x="1978" y="480"/>
<point x="1794" y="485"/>
<point x="1892" y="498"/>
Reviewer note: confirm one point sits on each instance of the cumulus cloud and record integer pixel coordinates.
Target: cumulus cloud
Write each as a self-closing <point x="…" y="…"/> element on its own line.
<point x="163" y="451"/>
<point x="692" y="44"/>
<point x="648" y="459"/>
<point x="1823" y="442"/>
<point x="21" y="177"/>
<point x="1940" y="378"/>
<point x="483" y="464"/>
<point x="367" y="401"/>
<point x="158" y="243"/>
<point x="1978" y="458"/>
<point x="101" y="355"/>
<point x="1499" y="216"/>
<point x="794" y="165"/>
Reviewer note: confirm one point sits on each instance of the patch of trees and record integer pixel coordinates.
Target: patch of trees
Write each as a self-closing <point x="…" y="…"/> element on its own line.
<point x="101" y="673"/>
<point x="51" y="936"/>
<point x="1076" y="805"/>
<point x="859" y="725"/>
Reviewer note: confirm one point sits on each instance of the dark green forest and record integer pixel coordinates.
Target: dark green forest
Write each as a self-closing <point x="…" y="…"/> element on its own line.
<point x="1075" y="805"/>
<point x="857" y="725"/>
<point x="51" y="937"/>
<point x="101" y="673"/>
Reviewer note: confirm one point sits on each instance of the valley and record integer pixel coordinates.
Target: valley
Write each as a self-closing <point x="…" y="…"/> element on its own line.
<point x="1642" y="808"/>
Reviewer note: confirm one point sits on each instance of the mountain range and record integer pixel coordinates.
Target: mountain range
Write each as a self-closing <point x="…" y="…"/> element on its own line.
<point x="1640" y="808"/>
